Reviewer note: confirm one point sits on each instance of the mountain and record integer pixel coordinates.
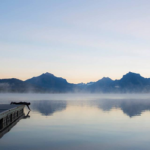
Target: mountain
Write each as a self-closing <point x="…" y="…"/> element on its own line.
<point x="102" y="85"/>
<point x="133" y="82"/>
<point x="16" y="85"/>
<point x="133" y="79"/>
<point x="51" y="83"/>
<point x="47" y="82"/>
<point x="129" y="83"/>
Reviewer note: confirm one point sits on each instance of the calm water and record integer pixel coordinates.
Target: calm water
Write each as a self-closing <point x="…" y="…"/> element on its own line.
<point x="80" y="122"/>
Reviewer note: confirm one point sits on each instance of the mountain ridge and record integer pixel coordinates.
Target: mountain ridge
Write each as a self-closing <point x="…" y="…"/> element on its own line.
<point x="47" y="82"/>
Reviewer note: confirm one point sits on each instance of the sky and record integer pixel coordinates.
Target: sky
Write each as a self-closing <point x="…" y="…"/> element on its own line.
<point x="79" y="40"/>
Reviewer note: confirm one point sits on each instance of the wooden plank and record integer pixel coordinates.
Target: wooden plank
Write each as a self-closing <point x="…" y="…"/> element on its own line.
<point x="7" y="108"/>
<point x="4" y="107"/>
<point x="9" y="113"/>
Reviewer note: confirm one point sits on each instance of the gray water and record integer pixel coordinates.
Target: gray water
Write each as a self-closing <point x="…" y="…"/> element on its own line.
<point x="80" y="122"/>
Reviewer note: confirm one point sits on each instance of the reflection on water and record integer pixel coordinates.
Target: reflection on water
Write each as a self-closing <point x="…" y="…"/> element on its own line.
<point x="47" y="108"/>
<point x="88" y="122"/>
<point x="8" y="128"/>
<point x="129" y="107"/>
<point x="26" y="116"/>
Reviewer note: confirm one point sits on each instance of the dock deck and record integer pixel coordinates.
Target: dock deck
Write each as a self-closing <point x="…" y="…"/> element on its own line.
<point x="7" y="107"/>
<point x="9" y="113"/>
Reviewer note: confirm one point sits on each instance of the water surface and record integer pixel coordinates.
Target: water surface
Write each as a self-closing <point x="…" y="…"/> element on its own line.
<point x="80" y="121"/>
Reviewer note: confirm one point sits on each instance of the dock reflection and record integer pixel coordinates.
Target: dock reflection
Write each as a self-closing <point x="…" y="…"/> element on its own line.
<point x="27" y="116"/>
<point x="8" y="128"/>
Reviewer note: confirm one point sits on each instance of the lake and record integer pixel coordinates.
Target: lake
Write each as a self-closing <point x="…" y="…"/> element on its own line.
<point x="80" y="122"/>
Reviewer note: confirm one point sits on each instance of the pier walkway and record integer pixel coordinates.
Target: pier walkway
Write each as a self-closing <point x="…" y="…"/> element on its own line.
<point x="9" y="114"/>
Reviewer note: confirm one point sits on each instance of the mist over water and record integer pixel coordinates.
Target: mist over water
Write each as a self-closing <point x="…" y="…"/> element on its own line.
<point x="5" y="97"/>
<point x="80" y="121"/>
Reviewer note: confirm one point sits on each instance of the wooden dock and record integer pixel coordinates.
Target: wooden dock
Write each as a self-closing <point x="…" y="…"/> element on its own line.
<point x="9" y="114"/>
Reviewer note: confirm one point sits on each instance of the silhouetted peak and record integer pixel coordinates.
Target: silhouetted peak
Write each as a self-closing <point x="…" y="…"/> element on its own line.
<point x="47" y="74"/>
<point x="133" y="79"/>
<point x="132" y="75"/>
<point x="105" y="79"/>
<point x="11" y="79"/>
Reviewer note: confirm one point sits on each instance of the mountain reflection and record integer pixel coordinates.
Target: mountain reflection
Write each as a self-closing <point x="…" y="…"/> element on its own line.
<point x="129" y="107"/>
<point x="47" y="108"/>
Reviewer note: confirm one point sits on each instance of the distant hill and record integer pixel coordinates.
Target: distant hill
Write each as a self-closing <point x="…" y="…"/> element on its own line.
<point x="133" y="79"/>
<point x="16" y="85"/>
<point x="51" y="83"/>
<point x="102" y="85"/>
<point x="47" y="82"/>
<point x="129" y="83"/>
<point x="134" y="82"/>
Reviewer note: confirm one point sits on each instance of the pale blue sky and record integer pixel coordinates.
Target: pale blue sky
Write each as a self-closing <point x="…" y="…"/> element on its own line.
<point x="80" y="40"/>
